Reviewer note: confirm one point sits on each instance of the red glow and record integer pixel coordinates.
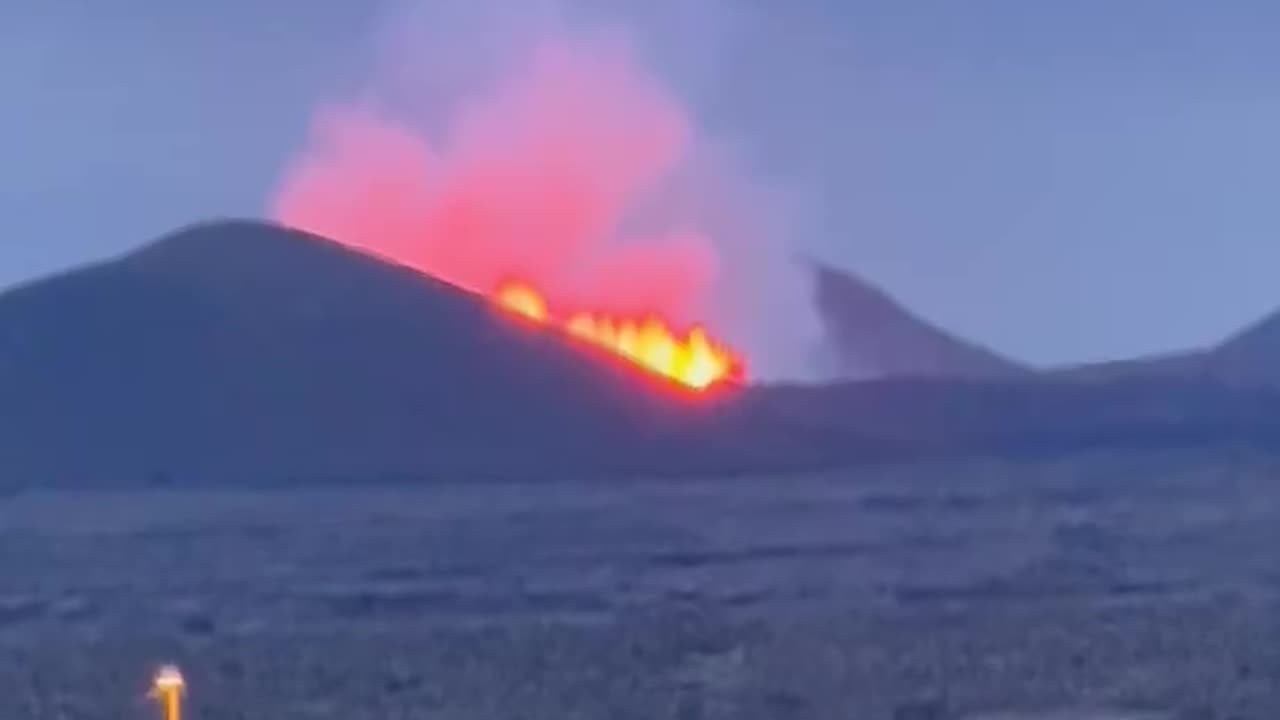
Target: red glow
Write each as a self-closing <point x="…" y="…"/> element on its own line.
<point x="562" y="176"/>
<point x="691" y="359"/>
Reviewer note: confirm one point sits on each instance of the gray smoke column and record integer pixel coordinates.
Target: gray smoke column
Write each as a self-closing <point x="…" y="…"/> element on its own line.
<point x="537" y="144"/>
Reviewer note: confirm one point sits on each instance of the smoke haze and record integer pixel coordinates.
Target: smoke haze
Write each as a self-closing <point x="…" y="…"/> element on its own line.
<point x="545" y="148"/>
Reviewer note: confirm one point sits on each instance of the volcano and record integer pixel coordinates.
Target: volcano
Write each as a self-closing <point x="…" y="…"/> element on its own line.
<point x="245" y="351"/>
<point x="869" y="335"/>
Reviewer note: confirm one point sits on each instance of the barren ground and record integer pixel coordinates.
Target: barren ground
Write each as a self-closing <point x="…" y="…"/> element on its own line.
<point x="1138" y="586"/>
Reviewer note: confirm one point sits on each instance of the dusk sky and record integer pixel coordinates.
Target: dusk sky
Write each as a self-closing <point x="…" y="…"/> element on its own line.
<point x="1063" y="181"/>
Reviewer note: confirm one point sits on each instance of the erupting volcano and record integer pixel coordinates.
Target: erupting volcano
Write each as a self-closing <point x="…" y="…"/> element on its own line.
<point x="574" y="175"/>
<point x="692" y="359"/>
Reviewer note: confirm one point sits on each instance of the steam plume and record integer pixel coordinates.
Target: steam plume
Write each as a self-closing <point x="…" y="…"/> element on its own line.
<point x="562" y="161"/>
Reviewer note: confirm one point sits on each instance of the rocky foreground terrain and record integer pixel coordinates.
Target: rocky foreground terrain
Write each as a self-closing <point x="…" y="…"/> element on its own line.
<point x="1104" y="586"/>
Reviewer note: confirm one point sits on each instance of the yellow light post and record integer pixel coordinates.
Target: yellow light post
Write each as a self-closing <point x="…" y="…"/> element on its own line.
<point x="167" y="688"/>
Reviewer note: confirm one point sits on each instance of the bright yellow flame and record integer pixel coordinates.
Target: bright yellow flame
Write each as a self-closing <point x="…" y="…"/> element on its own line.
<point x="693" y="360"/>
<point x="522" y="300"/>
<point x="167" y="687"/>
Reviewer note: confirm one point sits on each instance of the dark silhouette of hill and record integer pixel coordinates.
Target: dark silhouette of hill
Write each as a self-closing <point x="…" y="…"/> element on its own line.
<point x="1187" y="365"/>
<point x="239" y="352"/>
<point x="927" y="418"/>
<point x="242" y="351"/>
<point x="869" y="335"/>
<point x="939" y="394"/>
<point x="1251" y="357"/>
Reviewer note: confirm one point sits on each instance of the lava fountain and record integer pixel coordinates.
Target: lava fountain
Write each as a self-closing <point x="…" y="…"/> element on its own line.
<point x="692" y="358"/>
<point x="561" y="194"/>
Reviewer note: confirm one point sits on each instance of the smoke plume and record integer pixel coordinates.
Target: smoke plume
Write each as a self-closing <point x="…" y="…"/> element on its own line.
<point x="547" y="151"/>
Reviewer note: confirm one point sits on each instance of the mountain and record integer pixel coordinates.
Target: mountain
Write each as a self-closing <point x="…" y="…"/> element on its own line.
<point x="239" y="351"/>
<point x="1185" y="365"/>
<point x="1247" y="359"/>
<point x="244" y="353"/>
<point x="869" y="335"/>
<point x="924" y="418"/>
<point x="1251" y="357"/>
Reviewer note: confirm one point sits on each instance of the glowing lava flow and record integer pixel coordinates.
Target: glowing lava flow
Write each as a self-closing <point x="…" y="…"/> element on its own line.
<point x="694" y="360"/>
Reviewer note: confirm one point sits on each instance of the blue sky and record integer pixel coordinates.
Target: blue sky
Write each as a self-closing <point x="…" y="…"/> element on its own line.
<point x="1062" y="181"/>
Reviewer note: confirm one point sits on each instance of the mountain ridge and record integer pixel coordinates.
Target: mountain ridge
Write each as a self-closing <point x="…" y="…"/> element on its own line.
<point x="871" y="335"/>
<point x="234" y="348"/>
<point x="246" y="353"/>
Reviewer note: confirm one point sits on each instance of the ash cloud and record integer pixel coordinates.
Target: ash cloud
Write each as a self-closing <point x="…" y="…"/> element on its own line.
<point x="543" y="146"/>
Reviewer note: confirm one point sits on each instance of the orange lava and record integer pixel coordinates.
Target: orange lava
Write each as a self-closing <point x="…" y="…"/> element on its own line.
<point x="693" y="360"/>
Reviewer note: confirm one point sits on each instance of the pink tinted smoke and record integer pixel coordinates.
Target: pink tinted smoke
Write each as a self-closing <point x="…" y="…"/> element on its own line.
<point x="550" y="177"/>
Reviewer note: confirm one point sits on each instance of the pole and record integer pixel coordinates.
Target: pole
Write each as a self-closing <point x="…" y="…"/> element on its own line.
<point x="167" y="688"/>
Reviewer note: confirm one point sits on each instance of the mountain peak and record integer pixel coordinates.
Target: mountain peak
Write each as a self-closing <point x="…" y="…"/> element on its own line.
<point x="222" y="240"/>
<point x="1251" y="356"/>
<point x="870" y="335"/>
<point x="239" y="262"/>
<point x="244" y="247"/>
